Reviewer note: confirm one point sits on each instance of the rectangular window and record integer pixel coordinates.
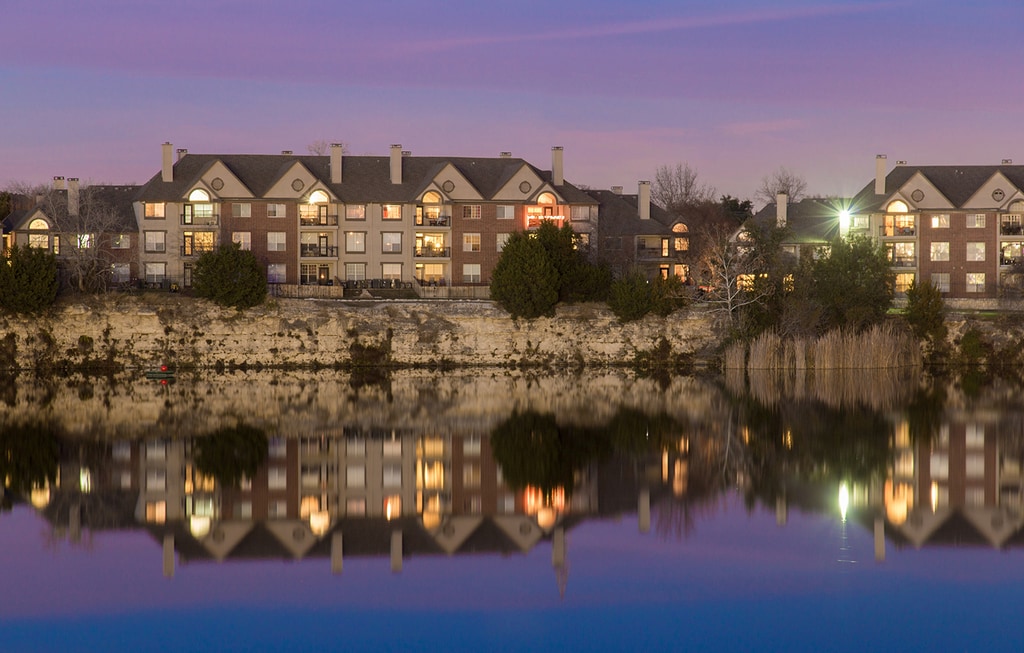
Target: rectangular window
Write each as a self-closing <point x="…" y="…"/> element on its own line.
<point x="500" y="240"/>
<point x="471" y="212"/>
<point x="156" y="272"/>
<point x="471" y="242"/>
<point x="241" y="210"/>
<point x="391" y="271"/>
<point x="155" y="241"/>
<point x="243" y="238"/>
<point x="903" y="281"/>
<point x="975" y="220"/>
<point x="975" y="251"/>
<point x="901" y="255"/>
<point x="355" y="271"/>
<point x="276" y="241"/>
<point x="276" y="211"/>
<point x="156" y="512"/>
<point x="859" y="222"/>
<point x="580" y="213"/>
<point x="941" y="281"/>
<point x="355" y="242"/>
<point x="277" y="273"/>
<point x="120" y="273"/>
<point x="940" y="221"/>
<point x="975" y="282"/>
<point x="391" y="242"/>
<point x="391" y="212"/>
<point x="506" y="212"/>
<point x="307" y="274"/>
<point x="355" y="212"/>
<point x="121" y="241"/>
<point x="940" y="251"/>
<point x="154" y="209"/>
<point x="471" y="273"/>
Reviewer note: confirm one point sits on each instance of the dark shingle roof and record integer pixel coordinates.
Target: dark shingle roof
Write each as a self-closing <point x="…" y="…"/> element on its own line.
<point x="957" y="183"/>
<point x="810" y="221"/>
<point x="115" y="201"/>
<point x="620" y="216"/>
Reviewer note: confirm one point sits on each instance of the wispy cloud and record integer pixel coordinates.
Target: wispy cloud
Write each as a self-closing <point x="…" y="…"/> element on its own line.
<point x="753" y="128"/>
<point x="657" y="25"/>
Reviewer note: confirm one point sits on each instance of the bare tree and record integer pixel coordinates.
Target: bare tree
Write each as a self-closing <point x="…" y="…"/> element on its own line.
<point x="676" y="187"/>
<point x="320" y="147"/>
<point x="727" y="269"/>
<point x="782" y="180"/>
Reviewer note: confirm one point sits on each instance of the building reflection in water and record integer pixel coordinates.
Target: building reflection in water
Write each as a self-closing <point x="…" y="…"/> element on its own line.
<point x="950" y="474"/>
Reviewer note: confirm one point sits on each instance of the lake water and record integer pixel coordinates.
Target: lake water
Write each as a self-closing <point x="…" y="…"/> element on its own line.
<point x="511" y="511"/>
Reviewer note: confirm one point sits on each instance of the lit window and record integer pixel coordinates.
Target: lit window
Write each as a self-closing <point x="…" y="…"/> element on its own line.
<point x="277" y="211"/>
<point x="156" y="512"/>
<point x="896" y="207"/>
<point x="355" y="506"/>
<point x="392" y="448"/>
<point x="975" y="282"/>
<point x="277" y="273"/>
<point x="392" y="507"/>
<point x="243" y="238"/>
<point x="391" y="271"/>
<point x="975" y="220"/>
<point x="940" y="251"/>
<point x="154" y="209"/>
<point x="505" y="212"/>
<point x="903" y="281"/>
<point x="391" y="242"/>
<point x="975" y="251"/>
<point x="355" y="212"/>
<point x="121" y="241"/>
<point x="940" y="221"/>
<point x="155" y="241"/>
<point x="471" y="212"/>
<point x="276" y="241"/>
<point x="355" y="241"/>
<point x="471" y="273"/>
<point x="391" y="212"/>
<point x="241" y="210"/>
<point x="471" y="242"/>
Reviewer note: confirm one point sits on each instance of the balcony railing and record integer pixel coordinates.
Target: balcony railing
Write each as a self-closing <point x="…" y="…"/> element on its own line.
<point x="433" y="252"/>
<point x="903" y="261"/>
<point x="195" y="250"/>
<point x="534" y="221"/>
<point x="649" y="252"/>
<point x="318" y="250"/>
<point x="889" y="231"/>
<point x="432" y="221"/>
<point x="319" y="221"/>
<point x="1011" y="230"/>
<point x="202" y="220"/>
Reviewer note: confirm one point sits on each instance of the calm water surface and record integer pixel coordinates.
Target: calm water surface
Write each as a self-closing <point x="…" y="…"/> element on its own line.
<point x="510" y="512"/>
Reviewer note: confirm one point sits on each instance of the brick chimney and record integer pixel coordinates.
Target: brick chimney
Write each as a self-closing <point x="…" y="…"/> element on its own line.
<point x="880" y="174"/>
<point x="73" y="196"/>
<point x="781" y="210"/>
<point x="643" y="200"/>
<point x="556" y="166"/>
<point x="335" y="163"/>
<point x="396" y="164"/>
<point x="167" y="169"/>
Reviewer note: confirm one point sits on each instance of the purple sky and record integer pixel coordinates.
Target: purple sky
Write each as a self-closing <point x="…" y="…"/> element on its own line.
<point x="736" y="89"/>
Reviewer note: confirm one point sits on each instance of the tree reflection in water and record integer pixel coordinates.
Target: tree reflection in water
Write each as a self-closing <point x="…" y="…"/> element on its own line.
<point x="29" y="453"/>
<point x="231" y="454"/>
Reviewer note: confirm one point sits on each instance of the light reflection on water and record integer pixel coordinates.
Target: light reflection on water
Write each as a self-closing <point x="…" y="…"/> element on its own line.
<point x="540" y="512"/>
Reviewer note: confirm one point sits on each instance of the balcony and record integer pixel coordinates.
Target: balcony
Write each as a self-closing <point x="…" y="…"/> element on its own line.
<point x="202" y="220"/>
<point x="1010" y="229"/>
<point x="644" y="252"/>
<point x="903" y="262"/>
<point x="890" y="231"/>
<point x="196" y="249"/>
<point x="315" y="251"/>
<point x="433" y="252"/>
<point x="319" y="221"/>
<point x="433" y="221"/>
<point x="533" y="221"/>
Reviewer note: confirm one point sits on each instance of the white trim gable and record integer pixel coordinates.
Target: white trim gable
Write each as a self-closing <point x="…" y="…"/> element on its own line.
<point x="461" y="188"/>
<point x="289" y="180"/>
<point x="983" y="199"/>
<point x="232" y="186"/>
<point x="513" y="189"/>
<point x="432" y="187"/>
<point x="933" y="198"/>
<point x="320" y="186"/>
<point x="546" y="188"/>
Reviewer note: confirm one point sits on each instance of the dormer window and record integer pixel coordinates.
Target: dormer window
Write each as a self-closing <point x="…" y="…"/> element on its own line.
<point x="199" y="195"/>
<point x="897" y="206"/>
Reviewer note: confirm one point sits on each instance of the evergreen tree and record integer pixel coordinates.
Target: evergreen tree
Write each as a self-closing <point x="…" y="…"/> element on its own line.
<point x="525" y="281"/>
<point x="28" y="281"/>
<point x="230" y="276"/>
<point x="630" y="297"/>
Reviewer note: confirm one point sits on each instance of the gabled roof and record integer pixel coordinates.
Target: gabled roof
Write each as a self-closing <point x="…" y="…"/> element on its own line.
<point x="620" y="216"/>
<point x="809" y="221"/>
<point x="115" y="201"/>
<point x="957" y="183"/>
<point x="365" y="179"/>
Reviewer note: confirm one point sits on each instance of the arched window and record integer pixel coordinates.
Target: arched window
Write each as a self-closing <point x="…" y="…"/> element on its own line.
<point x="36" y="239"/>
<point x="1016" y="206"/>
<point x="199" y="195"/>
<point x="38" y="225"/>
<point x="429" y="212"/>
<point x="682" y="242"/>
<point x="431" y="198"/>
<point x="896" y="206"/>
<point x="318" y="197"/>
<point x="546" y="198"/>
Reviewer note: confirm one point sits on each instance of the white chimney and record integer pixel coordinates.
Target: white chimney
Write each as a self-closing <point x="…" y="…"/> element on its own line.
<point x="58" y="183"/>
<point x="167" y="170"/>
<point x="504" y="155"/>
<point x="287" y="152"/>
<point x="643" y="200"/>
<point x="335" y="163"/>
<point x="880" y="174"/>
<point x="1007" y="162"/>
<point x="73" y="196"/>
<point x="556" y="165"/>
<point x="781" y="210"/>
<point x="396" y="164"/>
<point x="617" y="190"/>
<point x="182" y="153"/>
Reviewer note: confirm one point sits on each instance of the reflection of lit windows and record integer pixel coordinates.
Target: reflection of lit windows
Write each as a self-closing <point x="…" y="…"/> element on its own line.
<point x="939" y="465"/>
<point x="156" y="512"/>
<point x="433" y="447"/>
<point x="430" y="475"/>
<point x="355" y="506"/>
<point x="471" y="475"/>
<point x="904" y="466"/>
<point x="393" y="506"/>
<point x="156" y="480"/>
<point x="121" y="451"/>
<point x="975" y="435"/>
<point x="393" y="447"/>
<point x="308" y="506"/>
<point x="310" y="476"/>
<point x="126" y="480"/>
<point x="355" y="476"/>
<point x="277" y="478"/>
<point x="245" y="484"/>
<point x="471" y="445"/>
<point x="85" y="480"/>
<point x="392" y="476"/>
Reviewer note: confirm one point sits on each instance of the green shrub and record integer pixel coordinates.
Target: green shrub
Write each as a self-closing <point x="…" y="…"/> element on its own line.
<point x="925" y="311"/>
<point x="28" y="282"/>
<point x="525" y="281"/>
<point x="230" y="276"/>
<point x="630" y="297"/>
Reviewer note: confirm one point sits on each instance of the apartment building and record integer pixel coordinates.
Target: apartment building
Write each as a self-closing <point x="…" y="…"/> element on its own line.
<point x="341" y="219"/>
